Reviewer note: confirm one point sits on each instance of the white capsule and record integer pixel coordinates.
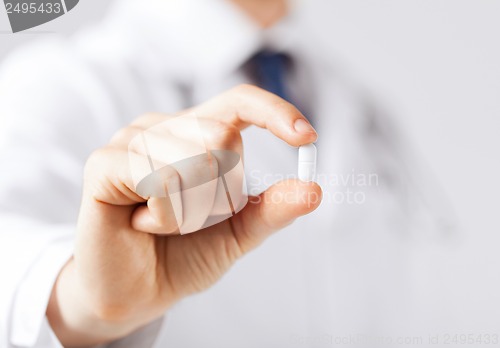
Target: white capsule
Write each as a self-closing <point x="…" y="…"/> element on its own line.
<point x="307" y="162"/>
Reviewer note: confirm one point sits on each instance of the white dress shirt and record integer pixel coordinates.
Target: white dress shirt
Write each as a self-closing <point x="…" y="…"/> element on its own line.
<point x="347" y="268"/>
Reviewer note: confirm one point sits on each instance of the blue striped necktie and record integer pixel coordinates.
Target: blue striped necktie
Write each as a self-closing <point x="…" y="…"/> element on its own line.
<point x="269" y="70"/>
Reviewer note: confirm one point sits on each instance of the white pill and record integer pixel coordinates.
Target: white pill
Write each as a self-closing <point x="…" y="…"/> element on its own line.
<point x="307" y="162"/>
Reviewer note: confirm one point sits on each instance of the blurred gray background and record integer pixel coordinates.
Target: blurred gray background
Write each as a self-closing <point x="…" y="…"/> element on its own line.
<point x="436" y="65"/>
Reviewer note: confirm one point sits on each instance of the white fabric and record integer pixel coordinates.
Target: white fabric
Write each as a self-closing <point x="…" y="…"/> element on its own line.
<point x="345" y="269"/>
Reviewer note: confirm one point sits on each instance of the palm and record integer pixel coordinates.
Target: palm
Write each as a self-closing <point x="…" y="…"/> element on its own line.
<point x="193" y="262"/>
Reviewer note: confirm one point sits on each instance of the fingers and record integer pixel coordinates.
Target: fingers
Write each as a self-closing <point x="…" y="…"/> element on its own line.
<point x="174" y="139"/>
<point x="109" y="180"/>
<point x="240" y="107"/>
<point x="157" y="217"/>
<point x="249" y="105"/>
<point x="154" y="142"/>
<point x="164" y="211"/>
<point x="170" y="165"/>
<point x="277" y="207"/>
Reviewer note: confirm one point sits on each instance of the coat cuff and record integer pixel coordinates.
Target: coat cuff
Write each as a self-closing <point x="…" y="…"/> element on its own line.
<point x="29" y="326"/>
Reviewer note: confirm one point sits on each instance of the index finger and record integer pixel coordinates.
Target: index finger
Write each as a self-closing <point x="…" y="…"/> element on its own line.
<point x="249" y="105"/>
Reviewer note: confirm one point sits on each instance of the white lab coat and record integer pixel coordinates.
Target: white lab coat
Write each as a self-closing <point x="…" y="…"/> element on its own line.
<point x="346" y="269"/>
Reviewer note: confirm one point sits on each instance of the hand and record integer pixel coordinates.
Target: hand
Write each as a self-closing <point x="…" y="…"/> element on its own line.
<point x="127" y="269"/>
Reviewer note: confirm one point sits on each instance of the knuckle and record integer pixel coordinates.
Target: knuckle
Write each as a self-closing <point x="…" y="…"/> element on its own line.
<point x="95" y="160"/>
<point x="125" y="134"/>
<point x="148" y="120"/>
<point x="282" y="106"/>
<point x="229" y="134"/>
<point x="246" y="88"/>
<point x="224" y="136"/>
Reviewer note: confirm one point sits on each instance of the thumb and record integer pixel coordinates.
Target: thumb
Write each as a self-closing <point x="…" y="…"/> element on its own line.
<point x="274" y="209"/>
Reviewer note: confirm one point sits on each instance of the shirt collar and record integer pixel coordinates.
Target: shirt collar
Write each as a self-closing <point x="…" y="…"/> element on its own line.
<point x="198" y="39"/>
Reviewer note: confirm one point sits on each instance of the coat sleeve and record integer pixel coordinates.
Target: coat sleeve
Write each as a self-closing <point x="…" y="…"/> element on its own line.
<point x="54" y="111"/>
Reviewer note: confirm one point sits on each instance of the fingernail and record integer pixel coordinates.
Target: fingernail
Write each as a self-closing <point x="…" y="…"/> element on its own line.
<point x="304" y="127"/>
